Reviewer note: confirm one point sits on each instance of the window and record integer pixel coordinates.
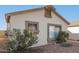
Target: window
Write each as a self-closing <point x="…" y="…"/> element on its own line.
<point x="32" y="26"/>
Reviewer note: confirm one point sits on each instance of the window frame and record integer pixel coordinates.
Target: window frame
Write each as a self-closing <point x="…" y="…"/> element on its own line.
<point x="56" y="25"/>
<point x="31" y="22"/>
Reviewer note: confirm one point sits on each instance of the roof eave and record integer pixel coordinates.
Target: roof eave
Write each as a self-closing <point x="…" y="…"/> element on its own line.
<point x="61" y="17"/>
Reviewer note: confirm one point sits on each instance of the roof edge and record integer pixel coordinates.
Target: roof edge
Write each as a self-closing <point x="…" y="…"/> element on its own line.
<point x="61" y="17"/>
<point x="18" y="12"/>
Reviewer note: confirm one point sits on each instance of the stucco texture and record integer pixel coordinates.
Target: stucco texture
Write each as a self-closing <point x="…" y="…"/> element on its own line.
<point x="18" y="22"/>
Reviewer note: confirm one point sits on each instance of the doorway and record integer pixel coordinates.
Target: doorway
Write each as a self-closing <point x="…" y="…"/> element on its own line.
<point x="53" y="31"/>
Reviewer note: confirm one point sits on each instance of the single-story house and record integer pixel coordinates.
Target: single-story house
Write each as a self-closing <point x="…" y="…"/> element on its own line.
<point x="74" y="29"/>
<point x="44" y="21"/>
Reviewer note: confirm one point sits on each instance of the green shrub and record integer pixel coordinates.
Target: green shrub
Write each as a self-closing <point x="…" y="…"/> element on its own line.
<point x="62" y="37"/>
<point x="19" y="41"/>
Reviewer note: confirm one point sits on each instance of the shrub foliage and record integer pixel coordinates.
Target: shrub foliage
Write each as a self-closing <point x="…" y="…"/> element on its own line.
<point x="62" y="37"/>
<point x="19" y="41"/>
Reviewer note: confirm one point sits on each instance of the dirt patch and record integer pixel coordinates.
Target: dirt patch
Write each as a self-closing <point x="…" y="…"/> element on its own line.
<point x="2" y="34"/>
<point x="57" y="48"/>
<point x="51" y="48"/>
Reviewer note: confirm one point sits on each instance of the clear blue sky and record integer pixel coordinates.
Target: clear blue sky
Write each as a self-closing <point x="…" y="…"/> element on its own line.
<point x="69" y="12"/>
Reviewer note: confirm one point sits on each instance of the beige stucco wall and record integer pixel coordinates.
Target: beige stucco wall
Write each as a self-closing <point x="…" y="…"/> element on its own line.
<point x="18" y="21"/>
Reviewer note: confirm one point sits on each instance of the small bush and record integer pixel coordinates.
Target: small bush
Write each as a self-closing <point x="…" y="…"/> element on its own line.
<point x="19" y="41"/>
<point x="62" y="37"/>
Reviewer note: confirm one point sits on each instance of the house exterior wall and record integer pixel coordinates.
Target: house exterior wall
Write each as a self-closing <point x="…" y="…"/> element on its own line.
<point x="18" y="22"/>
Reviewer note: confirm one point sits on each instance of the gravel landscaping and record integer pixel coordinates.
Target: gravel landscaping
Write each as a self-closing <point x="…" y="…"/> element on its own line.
<point x="58" y="48"/>
<point x="69" y="47"/>
<point x="3" y="45"/>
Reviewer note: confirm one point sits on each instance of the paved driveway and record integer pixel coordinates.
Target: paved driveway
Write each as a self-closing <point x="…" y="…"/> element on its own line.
<point x="57" y="48"/>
